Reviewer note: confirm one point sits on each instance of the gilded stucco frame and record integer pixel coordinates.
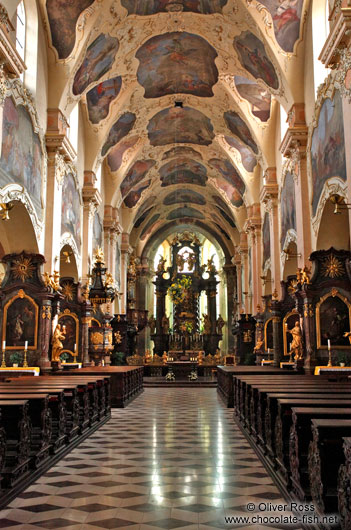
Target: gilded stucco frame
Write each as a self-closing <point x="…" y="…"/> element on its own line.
<point x="21" y="294"/>
<point x="265" y="332"/>
<point x="67" y="313"/>
<point x="331" y="294"/>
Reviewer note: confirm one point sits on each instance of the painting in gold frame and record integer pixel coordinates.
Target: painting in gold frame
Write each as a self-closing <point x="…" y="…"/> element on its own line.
<point x="289" y="319"/>
<point x="95" y="322"/>
<point x="71" y="323"/>
<point x="20" y="322"/>
<point x="268" y="334"/>
<point x="333" y="319"/>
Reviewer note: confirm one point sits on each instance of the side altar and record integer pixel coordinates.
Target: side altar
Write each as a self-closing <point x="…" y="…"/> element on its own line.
<point x="184" y="281"/>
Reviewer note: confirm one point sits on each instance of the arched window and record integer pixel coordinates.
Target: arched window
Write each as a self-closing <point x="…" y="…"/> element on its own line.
<point x="21" y="31"/>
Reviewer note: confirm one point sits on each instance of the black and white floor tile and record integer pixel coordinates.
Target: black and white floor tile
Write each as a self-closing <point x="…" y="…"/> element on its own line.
<point x="173" y="459"/>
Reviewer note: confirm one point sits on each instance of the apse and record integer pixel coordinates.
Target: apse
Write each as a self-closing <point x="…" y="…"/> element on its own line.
<point x="180" y="125"/>
<point x="177" y="63"/>
<point x="183" y="171"/>
<point x="121" y="128"/>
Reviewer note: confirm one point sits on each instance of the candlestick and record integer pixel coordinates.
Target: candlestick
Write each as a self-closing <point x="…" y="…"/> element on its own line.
<point x="75" y="353"/>
<point x="25" y="364"/>
<point x="4" y="344"/>
<point x="329" y="358"/>
<point x="3" y="363"/>
<point x="328" y="344"/>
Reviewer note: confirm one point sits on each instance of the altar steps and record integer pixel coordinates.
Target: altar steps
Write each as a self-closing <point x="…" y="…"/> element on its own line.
<point x="204" y="382"/>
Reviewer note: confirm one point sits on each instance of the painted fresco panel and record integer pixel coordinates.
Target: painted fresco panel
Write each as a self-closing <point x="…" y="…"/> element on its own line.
<point x="100" y="97"/>
<point x="253" y="57"/>
<point x="97" y="232"/>
<point x="255" y="94"/>
<point x="266" y="238"/>
<point x="119" y="129"/>
<point x="135" y="175"/>
<point x="149" y="226"/>
<point x="286" y="16"/>
<point x="98" y="59"/>
<point x="175" y="63"/>
<point x="115" y="156"/>
<point x="226" y="217"/>
<point x="184" y="212"/>
<point x="287" y="207"/>
<point x="133" y="196"/>
<point x="248" y="160"/>
<point x="183" y="171"/>
<point x="21" y="153"/>
<point x="142" y="218"/>
<point x="181" y="151"/>
<point x="151" y="7"/>
<point x="238" y="127"/>
<point x="229" y="173"/>
<point x="187" y="196"/>
<point x="180" y="125"/>
<point x="70" y="220"/>
<point x="328" y="147"/>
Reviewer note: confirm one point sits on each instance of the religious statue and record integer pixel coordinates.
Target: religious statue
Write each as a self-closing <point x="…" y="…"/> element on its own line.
<point x="348" y="334"/>
<point x="165" y="324"/>
<point x="148" y="357"/>
<point x="109" y="281"/>
<point x="296" y="344"/>
<point x="161" y="265"/>
<point x="200" y="358"/>
<point x="211" y="266"/>
<point x="164" y="357"/>
<point x="99" y="255"/>
<point x="180" y="261"/>
<point x="57" y="346"/>
<point x="132" y="266"/>
<point x="191" y="260"/>
<point x="152" y="324"/>
<point x="217" y="357"/>
<point x="259" y="342"/>
<point x="207" y="324"/>
<point x="219" y="324"/>
<point x="303" y="275"/>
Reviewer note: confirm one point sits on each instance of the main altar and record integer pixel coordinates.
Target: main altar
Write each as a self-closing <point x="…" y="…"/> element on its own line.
<point x="192" y="336"/>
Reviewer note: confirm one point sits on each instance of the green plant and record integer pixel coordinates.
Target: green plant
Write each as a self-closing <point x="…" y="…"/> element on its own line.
<point x="15" y="357"/>
<point x="64" y="356"/>
<point x="178" y="288"/>
<point x="117" y="358"/>
<point x="343" y="358"/>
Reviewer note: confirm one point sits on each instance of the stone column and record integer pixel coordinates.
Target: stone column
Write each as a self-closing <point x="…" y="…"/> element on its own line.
<point x="243" y="251"/>
<point x="91" y="200"/>
<point x="293" y="147"/>
<point x="239" y="294"/>
<point x="86" y="321"/>
<point x="126" y="250"/>
<point x="230" y="272"/>
<point x="45" y="332"/>
<point x="253" y="229"/>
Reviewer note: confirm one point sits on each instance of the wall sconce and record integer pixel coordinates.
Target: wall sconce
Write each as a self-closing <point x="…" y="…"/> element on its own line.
<point x="6" y="207"/>
<point x="66" y="256"/>
<point x="266" y="280"/>
<point x="289" y="254"/>
<point x="339" y="203"/>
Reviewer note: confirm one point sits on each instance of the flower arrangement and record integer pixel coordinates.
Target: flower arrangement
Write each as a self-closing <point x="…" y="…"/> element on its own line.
<point x="187" y="326"/>
<point x="178" y="288"/>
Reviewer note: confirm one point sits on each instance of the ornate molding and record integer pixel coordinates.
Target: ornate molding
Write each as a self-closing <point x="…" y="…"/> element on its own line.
<point x="12" y="62"/>
<point x="291" y="237"/>
<point x="15" y="192"/>
<point x="68" y="239"/>
<point x="339" y="36"/>
<point x="333" y="186"/>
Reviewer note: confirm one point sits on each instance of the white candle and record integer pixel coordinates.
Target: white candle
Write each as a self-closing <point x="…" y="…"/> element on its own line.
<point x="328" y="344"/>
<point x="75" y="348"/>
<point x="26" y="345"/>
<point x="290" y="346"/>
<point x="4" y="344"/>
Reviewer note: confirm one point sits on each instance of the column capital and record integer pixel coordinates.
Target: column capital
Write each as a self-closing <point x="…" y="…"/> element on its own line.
<point x="56" y="138"/>
<point x="270" y="189"/>
<point x="339" y="34"/>
<point x="296" y="136"/>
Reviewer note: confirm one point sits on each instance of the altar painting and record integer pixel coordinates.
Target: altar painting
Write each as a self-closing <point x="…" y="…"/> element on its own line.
<point x="333" y="320"/>
<point x="286" y="16"/>
<point x="97" y="232"/>
<point x="287" y="207"/>
<point x="119" y="129"/>
<point x="21" y="153"/>
<point x="63" y="16"/>
<point x="70" y="323"/>
<point x="151" y="7"/>
<point x="100" y="98"/>
<point x="266" y="238"/>
<point x="238" y="127"/>
<point x="135" y="175"/>
<point x="252" y="55"/>
<point x="178" y="62"/>
<point x="70" y="219"/>
<point x="98" y="59"/>
<point x="20" y="322"/>
<point x="328" y="147"/>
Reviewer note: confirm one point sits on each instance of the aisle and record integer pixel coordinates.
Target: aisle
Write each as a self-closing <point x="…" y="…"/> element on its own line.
<point x="172" y="459"/>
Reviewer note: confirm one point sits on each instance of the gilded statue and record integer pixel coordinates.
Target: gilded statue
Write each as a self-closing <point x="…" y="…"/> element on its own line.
<point x="165" y="324"/>
<point x="164" y="357"/>
<point x="191" y="260"/>
<point x="200" y="358"/>
<point x="99" y="255"/>
<point x="217" y="357"/>
<point x="161" y="265"/>
<point x="210" y="265"/>
<point x="132" y="266"/>
<point x="147" y="357"/>
<point x="303" y="275"/>
<point x="296" y="344"/>
<point x="109" y="281"/>
<point x="259" y="342"/>
<point x="207" y="324"/>
<point x="348" y="335"/>
<point x="180" y="261"/>
<point x="152" y="324"/>
<point x="219" y="324"/>
<point x="57" y="346"/>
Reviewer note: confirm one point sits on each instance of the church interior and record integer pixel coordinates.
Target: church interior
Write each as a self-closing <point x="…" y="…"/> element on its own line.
<point x="175" y="264"/>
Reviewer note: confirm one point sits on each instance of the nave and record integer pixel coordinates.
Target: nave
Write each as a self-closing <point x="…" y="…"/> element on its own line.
<point x="169" y="460"/>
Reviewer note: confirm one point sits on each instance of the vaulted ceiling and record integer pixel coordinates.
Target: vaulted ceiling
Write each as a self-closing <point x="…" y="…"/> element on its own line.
<point x="179" y="100"/>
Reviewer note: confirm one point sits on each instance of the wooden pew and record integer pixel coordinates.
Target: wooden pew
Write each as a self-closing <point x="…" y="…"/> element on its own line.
<point x="325" y="455"/>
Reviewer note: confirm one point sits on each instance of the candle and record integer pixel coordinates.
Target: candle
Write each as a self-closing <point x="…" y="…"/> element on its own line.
<point x="328" y="344"/>
<point x="290" y="346"/>
<point x="4" y="344"/>
<point x="75" y="348"/>
<point x="26" y="345"/>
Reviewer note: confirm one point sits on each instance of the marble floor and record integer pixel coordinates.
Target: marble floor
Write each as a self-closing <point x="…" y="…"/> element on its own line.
<point x="172" y="459"/>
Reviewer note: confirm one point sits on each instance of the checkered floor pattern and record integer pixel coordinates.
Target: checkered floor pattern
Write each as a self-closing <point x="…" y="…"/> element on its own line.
<point x="172" y="459"/>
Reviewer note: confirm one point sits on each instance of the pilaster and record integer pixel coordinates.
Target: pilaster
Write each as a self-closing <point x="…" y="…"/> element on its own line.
<point x="126" y="251"/>
<point x="91" y="200"/>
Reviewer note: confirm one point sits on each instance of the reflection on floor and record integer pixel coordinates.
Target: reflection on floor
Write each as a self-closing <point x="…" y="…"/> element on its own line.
<point x="172" y="459"/>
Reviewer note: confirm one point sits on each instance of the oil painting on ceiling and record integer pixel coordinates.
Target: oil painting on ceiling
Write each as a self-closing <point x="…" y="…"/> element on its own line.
<point x="115" y="156"/>
<point x="151" y="7"/>
<point x="150" y="225"/>
<point x="100" y="97"/>
<point x="121" y="128"/>
<point x="183" y="171"/>
<point x="180" y="125"/>
<point x="253" y="57"/>
<point x="229" y="173"/>
<point x="184" y="196"/>
<point x="98" y="59"/>
<point x="181" y="151"/>
<point x="135" y="175"/>
<point x="238" y="127"/>
<point x="63" y="16"/>
<point x="175" y="63"/>
<point x="185" y="212"/>
<point x="328" y="147"/>
<point x="21" y="152"/>
<point x="248" y="160"/>
<point x="133" y="196"/>
<point x="286" y="16"/>
<point x="255" y="94"/>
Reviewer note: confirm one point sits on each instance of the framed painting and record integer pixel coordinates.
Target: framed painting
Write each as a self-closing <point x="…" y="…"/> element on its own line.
<point x="69" y="321"/>
<point x="20" y="322"/>
<point x="268" y="334"/>
<point x="333" y="320"/>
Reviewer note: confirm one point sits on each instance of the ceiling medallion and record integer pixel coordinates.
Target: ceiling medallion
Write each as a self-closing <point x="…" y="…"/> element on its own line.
<point x="332" y="267"/>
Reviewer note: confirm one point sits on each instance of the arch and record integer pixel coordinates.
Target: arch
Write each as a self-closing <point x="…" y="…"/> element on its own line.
<point x="67" y="240"/>
<point x="334" y="229"/>
<point x="290" y="264"/>
<point x="18" y="234"/>
<point x="68" y="263"/>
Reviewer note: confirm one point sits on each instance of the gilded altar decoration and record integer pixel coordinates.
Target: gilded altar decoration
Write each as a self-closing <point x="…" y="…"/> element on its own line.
<point x="23" y="269"/>
<point x="57" y="346"/>
<point x="332" y="267"/>
<point x="161" y="265"/>
<point x="178" y="289"/>
<point x="303" y="275"/>
<point x="46" y="312"/>
<point x="292" y="286"/>
<point x="165" y="324"/>
<point x="207" y="324"/>
<point x="187" y="327"/>
<point x="52" y="280"/>
<point x="259" y="342"/>
<point x="147" y="357"/>
<point x="152" y="324"/>
<point x="68" y="291"/>
<point x="211" y="268"/>
<point x="99" y="256"/>
<point x="219" y="324"/>
<point x="247" y="336"/>
<point x="97" y="338"/>
<point x="118" y="337"/>
<point x="296" y="348"/>
<point x="109" y="281"/>
<point x="164" y="357"/>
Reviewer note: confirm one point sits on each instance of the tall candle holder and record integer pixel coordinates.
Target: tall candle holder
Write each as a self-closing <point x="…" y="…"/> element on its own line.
<point x="329" y="355"/>
<point x="25" y="363"/>
<point x="75" y="353"/>
<point x="3" y="363"/>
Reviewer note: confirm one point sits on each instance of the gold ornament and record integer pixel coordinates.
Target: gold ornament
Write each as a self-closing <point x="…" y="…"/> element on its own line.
<point x="332" y="267"/>
<point x="23" y="269"/>
<point x="68" y="291"/>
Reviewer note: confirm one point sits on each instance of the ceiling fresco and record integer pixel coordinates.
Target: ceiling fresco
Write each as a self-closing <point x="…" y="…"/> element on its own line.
<point x="177" y="63"/>
<point x="226" y="217"/>
<point x="247" y="158"/>
<point x="253" y="57"/>
<point x="222" y="231"/>
<point x="286" y="16"/>
<point x="135" y="175"/>
<point x="258" y="96"/>
<point x="150" y="201"/>
<point x="100" y="97"/>
<point x="184" y="196"/>
<point x="183" y="171"/>
<point x="151" y="7"/>
<point x="121" y="128"/>
<point x="142" y="218"/>
<point x="115" y="156"/>
<point x="231" y="192"/>
<point x="150" y="225"/>
<point x="181" y="151"/>
<point x="63" y="16"/>
<point x="183" y="213"/>
<point x="238" y="127"/>
<point x="229" y="173"/>
<point x="133" y="196"/>
<point x="98" y="60"/>
<point x="180" y="125"/>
